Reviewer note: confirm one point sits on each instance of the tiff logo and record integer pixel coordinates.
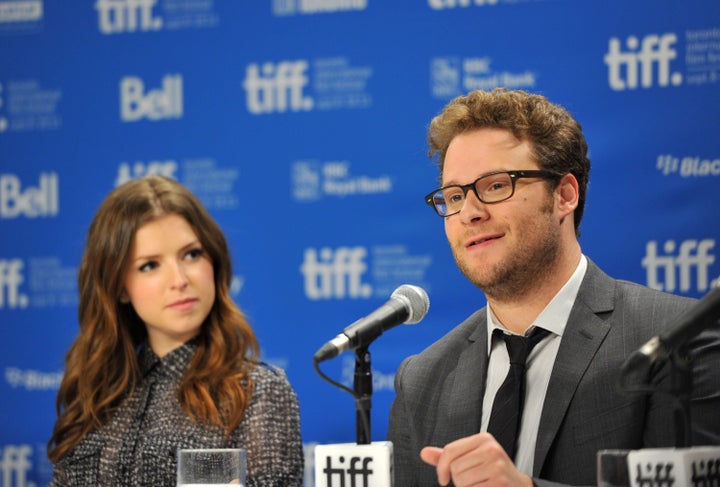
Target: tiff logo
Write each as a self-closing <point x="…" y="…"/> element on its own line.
<point x="162" y="103"/>
<point x="11" y="277"/>
<point x="335" y="273"/>
<point x="358" y="467"/>
<point x="677" y="268"/>
<point x="118" y="16"/>
<point x="277" y="87"/>
<point x="31" y="202"/>
<point x="15" y="465"/>
<point x="638" y="62"/>
<point x="128" y="172"/>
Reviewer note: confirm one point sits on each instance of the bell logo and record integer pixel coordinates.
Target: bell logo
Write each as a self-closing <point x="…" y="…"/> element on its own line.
<point x="158" y="104"/>
<point x="277" y="87"/>
<point x="645" y="62"/>
<point x="31" y="202"/>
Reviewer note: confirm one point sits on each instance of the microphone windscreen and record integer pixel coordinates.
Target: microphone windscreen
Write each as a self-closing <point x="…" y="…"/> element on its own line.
<point x="417" y="301"/>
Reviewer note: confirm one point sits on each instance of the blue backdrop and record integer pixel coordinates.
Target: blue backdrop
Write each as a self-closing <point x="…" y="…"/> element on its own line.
<point x="301" y="126"/>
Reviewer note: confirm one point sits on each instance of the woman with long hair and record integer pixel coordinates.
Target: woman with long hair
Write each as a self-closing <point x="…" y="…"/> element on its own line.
<point x="164" y="359"/>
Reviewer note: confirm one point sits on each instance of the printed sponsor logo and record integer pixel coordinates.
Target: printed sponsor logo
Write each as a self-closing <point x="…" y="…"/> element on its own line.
<point x="118" y="16"/>
<point x="301" y="86"/>
<point x="38" y="201"/>
<point x="683" y="266"/>
<point x="643" y="63"/>
<point x="138" y="169"/>
<point x="161" y="103"/>
<point x="21" y="11"/>
<point x="15" y="464"/>
<point x="335" y="273"/>
<point x="11" y="278"/>
<point x="39" y="282"/>
<point x="688" y="166"/>
<point x="213" y="184"/>
<point x="27" y="106"/>
<point x="309" y="7"/>
<point x="347" y="470"/>
<point x="445" y="4"/>
<point x="138" y="16"/>
<point x="702" y="56"/>
<point x="33" y="380"/>
<point x="360" y="272"/>
<point x="277" y="87"/>
<point x="451" y="76"/>
<point x="312" y="180"/>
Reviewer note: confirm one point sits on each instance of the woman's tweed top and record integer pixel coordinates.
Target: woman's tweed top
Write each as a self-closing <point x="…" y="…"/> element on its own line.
<point x="138" y="446"/>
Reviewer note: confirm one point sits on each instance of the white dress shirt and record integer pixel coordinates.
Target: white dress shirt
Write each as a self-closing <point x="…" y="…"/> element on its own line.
<point x="539" y="365"/>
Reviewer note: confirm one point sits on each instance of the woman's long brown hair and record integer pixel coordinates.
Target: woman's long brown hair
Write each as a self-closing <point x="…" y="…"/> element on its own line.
<point x="101" y="367"/>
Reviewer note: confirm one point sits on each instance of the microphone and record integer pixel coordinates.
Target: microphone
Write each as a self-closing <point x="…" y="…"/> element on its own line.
<point x="705" y="313"/>
<point x="407" y="304"/>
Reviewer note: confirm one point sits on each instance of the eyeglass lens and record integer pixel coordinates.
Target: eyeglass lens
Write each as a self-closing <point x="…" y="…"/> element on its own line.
<point x="489" y="189"/>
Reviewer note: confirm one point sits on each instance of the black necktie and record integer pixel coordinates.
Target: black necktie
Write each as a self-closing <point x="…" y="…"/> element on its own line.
<point x="508" y="404"/>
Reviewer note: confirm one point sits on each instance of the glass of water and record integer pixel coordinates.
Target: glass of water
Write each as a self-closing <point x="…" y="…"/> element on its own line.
<point x="211" y="467"/>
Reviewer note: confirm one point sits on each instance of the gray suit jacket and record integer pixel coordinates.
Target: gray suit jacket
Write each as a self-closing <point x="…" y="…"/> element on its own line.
<point x="439" y="392"/>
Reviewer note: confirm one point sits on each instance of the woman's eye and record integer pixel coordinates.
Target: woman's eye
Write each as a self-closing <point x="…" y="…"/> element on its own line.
<point x="148" y="266"/>
<point x="195" y="253"/>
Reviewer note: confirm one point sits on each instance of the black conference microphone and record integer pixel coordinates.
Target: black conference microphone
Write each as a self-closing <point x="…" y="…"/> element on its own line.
<point x="704" y="314"/>
<point x="407" y="304"/>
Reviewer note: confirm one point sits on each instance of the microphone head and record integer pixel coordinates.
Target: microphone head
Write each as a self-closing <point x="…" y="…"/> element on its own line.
<point x="416" y="300"/>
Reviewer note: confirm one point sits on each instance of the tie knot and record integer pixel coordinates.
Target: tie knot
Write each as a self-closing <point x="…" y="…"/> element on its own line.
<point x="519" y="347"/>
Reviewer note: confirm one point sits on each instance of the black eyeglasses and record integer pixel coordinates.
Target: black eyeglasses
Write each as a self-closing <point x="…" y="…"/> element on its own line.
<point x="490" y="188"/>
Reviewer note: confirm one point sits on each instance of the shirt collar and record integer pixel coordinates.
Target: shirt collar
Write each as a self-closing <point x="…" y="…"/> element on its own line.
<point x="173" y="364"/>
<point x="555" y="315"/>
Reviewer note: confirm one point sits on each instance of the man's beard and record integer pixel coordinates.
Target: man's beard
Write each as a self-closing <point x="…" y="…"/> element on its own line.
<point x="525" y="269"/>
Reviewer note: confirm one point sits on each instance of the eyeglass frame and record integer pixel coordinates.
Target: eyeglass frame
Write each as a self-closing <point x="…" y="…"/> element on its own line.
<point x="514" y="176"/>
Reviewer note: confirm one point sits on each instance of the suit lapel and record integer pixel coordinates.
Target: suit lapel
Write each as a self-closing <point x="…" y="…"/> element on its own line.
<point x="461" y="396"/>
<point x="584" y="333"/>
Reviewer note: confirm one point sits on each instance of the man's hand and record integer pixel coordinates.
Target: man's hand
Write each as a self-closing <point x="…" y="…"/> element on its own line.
<point x="472" y="460"/>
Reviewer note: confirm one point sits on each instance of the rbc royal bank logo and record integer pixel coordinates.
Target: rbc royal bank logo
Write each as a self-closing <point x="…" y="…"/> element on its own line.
<point x="644" y="63"/>
<point x="679" y="264"/>
<point x="277" y="87"/>
<point x="31" y="202"/>
<point x="119" y="16"/>
<point x="335" y="274"/>
<point x="161" y="103"/>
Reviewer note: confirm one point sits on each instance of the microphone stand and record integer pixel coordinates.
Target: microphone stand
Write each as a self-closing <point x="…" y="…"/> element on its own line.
<point x="681" y="386"/>
<point x="363" y="387"/>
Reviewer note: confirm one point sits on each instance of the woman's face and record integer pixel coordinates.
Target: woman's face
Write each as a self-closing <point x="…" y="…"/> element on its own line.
<point x="169" y="281"/>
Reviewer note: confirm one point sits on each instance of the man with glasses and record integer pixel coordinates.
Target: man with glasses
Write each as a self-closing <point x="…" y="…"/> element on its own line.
<point x="513" y="174"/>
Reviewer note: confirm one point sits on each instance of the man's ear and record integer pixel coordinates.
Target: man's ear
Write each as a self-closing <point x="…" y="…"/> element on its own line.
<point x="567" y="194"/>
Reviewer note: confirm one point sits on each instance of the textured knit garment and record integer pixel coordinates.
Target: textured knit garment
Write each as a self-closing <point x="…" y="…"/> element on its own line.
<point x="138" y="447"/>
